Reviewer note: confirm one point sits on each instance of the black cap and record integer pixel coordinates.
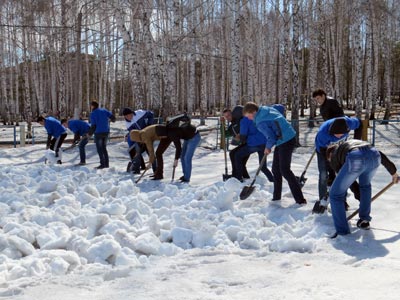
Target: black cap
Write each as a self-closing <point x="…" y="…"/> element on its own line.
<point x="127" y="111"/>
<point x="339" y="126"/>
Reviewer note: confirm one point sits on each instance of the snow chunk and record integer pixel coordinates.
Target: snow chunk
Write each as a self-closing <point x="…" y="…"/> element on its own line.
<point x="182" y="237"/>
<point x="47" y="187"/>
<point x="103" y="251"/>
<point x="147" y="244"/>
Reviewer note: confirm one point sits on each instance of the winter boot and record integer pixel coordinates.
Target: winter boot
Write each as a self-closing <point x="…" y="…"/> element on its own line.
<point x="362" y="224"/>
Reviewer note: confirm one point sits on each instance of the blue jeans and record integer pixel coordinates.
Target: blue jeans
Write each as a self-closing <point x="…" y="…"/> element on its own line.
<point x="188" y="148"/>
<point x="244" y="152"/>
<point x="281" y="167"/>
<point x="323" y="175"/>
<point x="82" y="144"/>
<point x="361" y="164"/>
<point x="100" y="140"/>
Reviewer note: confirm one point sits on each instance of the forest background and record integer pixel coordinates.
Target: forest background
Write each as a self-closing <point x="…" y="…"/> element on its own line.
<point x="198" y="56"/>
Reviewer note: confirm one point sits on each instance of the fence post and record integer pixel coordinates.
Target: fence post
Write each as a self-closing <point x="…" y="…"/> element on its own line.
<point x="22" y="135"/>
<point x="15" y="137"/>
<point x="364" y="132"/>
<point x="373" y="132"/>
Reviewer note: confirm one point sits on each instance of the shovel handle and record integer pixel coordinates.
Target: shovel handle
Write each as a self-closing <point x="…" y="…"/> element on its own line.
<point x="140" y="177"/>
<point x="372" y="199"/>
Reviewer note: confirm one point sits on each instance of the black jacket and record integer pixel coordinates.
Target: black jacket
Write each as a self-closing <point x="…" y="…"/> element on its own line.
<point x="237" y="115"/>
<point x="339" y="155"/>
<point x="331" y="109"/>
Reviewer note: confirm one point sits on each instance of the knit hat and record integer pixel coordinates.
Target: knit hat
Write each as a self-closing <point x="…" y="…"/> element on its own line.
<point x="339" y="126"/>
<point x="127" y="111"/>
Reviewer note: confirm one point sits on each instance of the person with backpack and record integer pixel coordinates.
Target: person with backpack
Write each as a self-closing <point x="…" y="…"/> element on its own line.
<point x="351" y="160"/>
<point x="166" y="134"/>
<point x="56" y="134"/>
<point x="100" y="127"/>
<point x="279" y="134"/>
<point x="80" y="129"/>
<point x="138" y="120"/>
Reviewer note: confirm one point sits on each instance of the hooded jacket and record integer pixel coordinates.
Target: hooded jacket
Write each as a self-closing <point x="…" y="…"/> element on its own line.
<point x="273" y="125"/>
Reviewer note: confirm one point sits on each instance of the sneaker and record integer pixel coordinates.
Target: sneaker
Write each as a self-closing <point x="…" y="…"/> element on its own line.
<point x="81" y="164"/>
<point x="183" y="180"/>
<point x="157" y="177"/>
<point x="59" y="162"/>
<point x="100" y="167"/>
<point x="362" y="224"/>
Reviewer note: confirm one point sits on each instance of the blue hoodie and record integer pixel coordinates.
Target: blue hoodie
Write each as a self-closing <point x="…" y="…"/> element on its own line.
<point x="273" y="125"/>
<point x="99" y="118"/>
<point x="250" y="133"/>
<point x="323" y="138"/>
<point x="54" y="127"/>
<point x="78" y="127"/>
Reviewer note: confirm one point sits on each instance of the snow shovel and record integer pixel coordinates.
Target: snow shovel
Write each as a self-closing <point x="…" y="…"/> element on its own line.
<point x="372" y="199"/>
<point x="302" y="179"/>
<point x="141" y="175"/>
<point x="247" y="190"/>
<point x="225" y="176"/>
<point x="173" y="174"/>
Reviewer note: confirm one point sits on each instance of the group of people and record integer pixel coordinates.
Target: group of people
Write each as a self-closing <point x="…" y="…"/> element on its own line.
<point x="254" y="129"/>
<point x="341" y="161"/>
<point x="142" y="133"/>
<point x="99" y="126"/>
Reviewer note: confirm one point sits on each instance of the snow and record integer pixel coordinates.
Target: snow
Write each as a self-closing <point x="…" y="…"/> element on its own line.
<point x="74" y="232"/>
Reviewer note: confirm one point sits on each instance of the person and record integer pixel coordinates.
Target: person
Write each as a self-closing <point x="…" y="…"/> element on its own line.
<point x="279" y="133"/>
<point x="166" y="135"/>
<point x="234" y="117"/>
<point x="136" y="120"/>
<point x="252" y="140"/>
<point x="80" y="129"/>
<point x="56" y="134"/>
<point x="351" y="160"/>
<point x="329" y="108"/>
<point x="332" y="131"/>
<point x="100" y="127"/>
<point x="191" y="139"/>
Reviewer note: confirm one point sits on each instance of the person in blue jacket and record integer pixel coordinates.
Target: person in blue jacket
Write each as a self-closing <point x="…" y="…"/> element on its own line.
<point x="279" y="133"/>
<point x="332" y="131"/>
<point x="100" y="127"/>
<point x="252" y="141"/>
<point x="138" y="120"/>
<point x="80" y="129"/>
<point x="56" y="134"/>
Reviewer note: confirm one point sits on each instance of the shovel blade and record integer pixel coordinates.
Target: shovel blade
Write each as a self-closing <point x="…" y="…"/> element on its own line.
<point x="246" y="192"/>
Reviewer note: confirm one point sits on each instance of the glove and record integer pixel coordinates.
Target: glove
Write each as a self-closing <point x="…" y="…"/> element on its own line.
<point x="148" y="166"/>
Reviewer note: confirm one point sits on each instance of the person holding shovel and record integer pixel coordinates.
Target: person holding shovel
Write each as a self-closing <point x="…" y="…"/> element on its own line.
<point x="279" y="133"/>
<point x="351" y="160"/>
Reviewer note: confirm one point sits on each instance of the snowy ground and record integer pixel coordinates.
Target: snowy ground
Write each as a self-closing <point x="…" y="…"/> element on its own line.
<point x="69" y="232"/>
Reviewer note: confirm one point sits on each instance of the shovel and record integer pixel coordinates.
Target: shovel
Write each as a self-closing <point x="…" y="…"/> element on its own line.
<point x="247" y="190"/>
<point x="225" y="176"/>
<point x="372" y="199"/>
<point x="141" y="175"/>
<point x="302" y="179"/>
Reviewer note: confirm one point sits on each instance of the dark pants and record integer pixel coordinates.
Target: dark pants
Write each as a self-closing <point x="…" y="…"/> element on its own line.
<point x="100" y="140"/>
<point x="281" y="167"/>
<point x="55" y="143"/>
<point x="162" y="146"/>
<point x="243" y="154"/>
<point x="82" y="154"/>
<point x="232" y="155"/>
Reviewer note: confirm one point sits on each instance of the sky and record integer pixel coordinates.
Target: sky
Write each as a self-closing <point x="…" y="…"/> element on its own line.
<point x="71" y="232"/>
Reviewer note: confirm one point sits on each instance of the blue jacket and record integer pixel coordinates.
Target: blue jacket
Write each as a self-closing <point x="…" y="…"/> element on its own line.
<point x="250" y="134"/>
<point x="323" y="138"/>
<point x="99" y="120"/>
<point x="54" y="127"/>
<point x="78" y="127"/>
<point x="140" y="120"/>
<point x="273" y="125"/>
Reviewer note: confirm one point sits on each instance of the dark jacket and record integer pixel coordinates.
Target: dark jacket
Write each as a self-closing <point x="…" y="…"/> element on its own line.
<point x="331" y="109"/>
<point x="339" y="155"/>
<point x="237" y="115"/>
